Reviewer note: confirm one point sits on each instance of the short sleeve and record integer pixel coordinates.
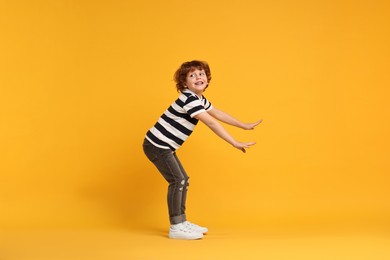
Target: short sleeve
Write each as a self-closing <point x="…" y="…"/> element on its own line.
<point x="206" y="104"/>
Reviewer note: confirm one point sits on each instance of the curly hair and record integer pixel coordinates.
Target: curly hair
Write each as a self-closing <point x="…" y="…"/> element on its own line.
<point x="180" y="76"/>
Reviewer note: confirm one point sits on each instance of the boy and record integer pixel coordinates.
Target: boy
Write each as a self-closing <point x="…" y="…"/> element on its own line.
<point x="174" y="127"/>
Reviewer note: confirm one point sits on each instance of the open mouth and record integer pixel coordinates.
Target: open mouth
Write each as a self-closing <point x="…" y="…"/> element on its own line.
<point x="199" y="83"/>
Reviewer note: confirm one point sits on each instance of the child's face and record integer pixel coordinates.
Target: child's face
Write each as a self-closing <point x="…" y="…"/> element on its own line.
<point x="197" y="81"/>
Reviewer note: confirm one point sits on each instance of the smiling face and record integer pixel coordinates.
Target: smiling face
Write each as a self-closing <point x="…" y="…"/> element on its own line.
<point x="189" y="71"/>
<point x="196" y="81"/>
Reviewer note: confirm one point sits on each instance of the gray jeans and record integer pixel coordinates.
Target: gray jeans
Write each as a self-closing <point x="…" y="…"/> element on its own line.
<point x="171" y="169"/>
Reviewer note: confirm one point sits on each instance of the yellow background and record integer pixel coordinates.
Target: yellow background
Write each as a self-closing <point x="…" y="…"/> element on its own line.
<point x="82" y="81"/>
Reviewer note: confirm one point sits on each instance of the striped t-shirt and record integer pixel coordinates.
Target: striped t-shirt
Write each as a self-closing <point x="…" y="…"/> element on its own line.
<point x="178" y="122"/>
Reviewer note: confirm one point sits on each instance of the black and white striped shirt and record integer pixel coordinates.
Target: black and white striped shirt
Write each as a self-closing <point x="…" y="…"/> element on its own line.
<point x="178" y="122"/>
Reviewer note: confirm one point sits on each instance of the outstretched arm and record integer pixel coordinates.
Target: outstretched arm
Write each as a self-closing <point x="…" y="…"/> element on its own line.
<point x="218" y="129"/>
<point x="228" y="119"/>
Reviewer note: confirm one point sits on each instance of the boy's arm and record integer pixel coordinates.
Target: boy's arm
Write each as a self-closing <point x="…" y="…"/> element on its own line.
<point x="228" y="119"/>
<point x="218" y="129"/>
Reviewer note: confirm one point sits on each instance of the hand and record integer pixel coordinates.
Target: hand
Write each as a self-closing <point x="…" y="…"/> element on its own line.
<point x="241" y="146"/>
<point x="251" y="126"/>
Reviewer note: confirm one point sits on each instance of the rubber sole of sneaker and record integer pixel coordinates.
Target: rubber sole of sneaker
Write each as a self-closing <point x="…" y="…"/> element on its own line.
<point x="194" y="236"/>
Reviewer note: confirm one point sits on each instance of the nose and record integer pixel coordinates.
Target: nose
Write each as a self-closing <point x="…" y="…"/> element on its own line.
<point x="197" y="76"/>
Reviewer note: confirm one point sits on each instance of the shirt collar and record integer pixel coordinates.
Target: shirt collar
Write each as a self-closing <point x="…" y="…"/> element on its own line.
<point x="193" y="93"/>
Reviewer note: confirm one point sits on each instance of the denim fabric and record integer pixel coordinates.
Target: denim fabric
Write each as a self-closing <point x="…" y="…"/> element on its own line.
<point x="172" y="170"/>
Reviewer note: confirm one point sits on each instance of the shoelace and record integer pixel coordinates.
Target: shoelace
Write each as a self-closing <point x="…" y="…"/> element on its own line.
<point x="186" y="228"/>
<point x="192" y="225"/>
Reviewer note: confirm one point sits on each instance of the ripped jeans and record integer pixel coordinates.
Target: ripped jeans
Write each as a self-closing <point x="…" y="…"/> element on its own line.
<point x="171" y="169"/>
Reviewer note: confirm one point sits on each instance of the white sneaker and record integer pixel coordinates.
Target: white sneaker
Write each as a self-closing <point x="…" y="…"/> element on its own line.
<point x="195" y="227"/>
<point x="183" y="231"/>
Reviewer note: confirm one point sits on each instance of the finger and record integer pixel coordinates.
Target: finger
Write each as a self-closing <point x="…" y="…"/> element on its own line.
<point x="253" y="125"/>
<point x="258" y="122"/>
